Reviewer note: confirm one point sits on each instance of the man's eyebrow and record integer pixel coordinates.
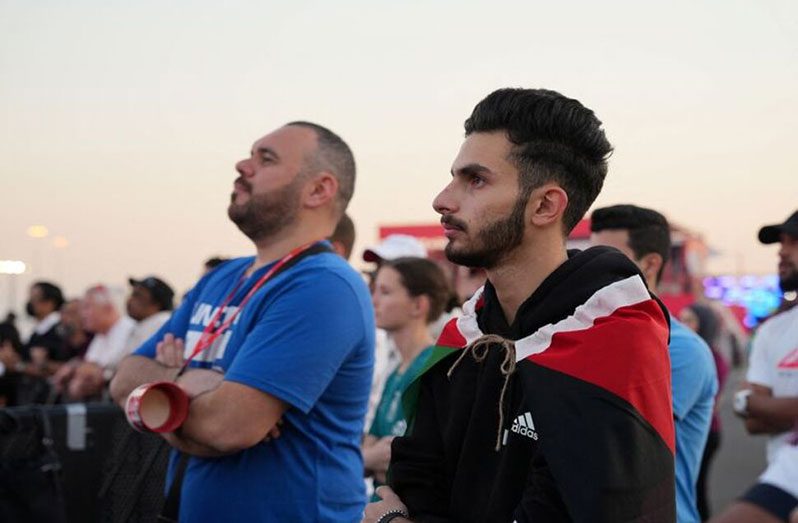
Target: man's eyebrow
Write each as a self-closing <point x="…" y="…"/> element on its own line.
<point x="471" y="169"/>
<point x="260" y="151"/>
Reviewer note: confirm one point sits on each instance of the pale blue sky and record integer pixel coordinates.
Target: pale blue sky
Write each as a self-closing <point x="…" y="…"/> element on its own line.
<point x="121" y="121"/>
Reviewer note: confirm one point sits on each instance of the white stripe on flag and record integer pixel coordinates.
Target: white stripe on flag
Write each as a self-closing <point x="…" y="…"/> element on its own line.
<point x="603" y="303"/>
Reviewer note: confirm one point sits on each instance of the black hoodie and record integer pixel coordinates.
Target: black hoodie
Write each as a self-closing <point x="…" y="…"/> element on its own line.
<point x="579" y="429"/>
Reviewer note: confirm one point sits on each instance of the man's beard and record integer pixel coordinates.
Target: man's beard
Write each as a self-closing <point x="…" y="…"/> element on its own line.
<point x="493" y="241"/>
<point x="264" y="215"/>
<point x="789" y="282"/>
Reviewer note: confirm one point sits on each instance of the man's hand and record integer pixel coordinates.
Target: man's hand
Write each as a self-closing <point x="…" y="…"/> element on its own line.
<point x="390" y="501"/>
<point x="381" y="458"/>
<point x="766" y="414"/>
<point x="87" y="381"/>
<point x="377" y="455"/>
<point x="169" y="352"/>
<point x="63" y="375"/>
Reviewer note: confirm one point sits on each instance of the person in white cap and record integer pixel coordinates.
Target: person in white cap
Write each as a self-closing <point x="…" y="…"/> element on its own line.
<point x="395" y="246"/>
<point x="386" y="358"/>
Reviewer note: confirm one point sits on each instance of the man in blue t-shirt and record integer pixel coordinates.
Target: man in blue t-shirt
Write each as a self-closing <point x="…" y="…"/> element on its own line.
<point x="283" y="343"/>
<point x="643" y="235"/>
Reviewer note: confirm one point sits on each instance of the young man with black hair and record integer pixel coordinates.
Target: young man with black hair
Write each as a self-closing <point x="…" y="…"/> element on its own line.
<point x="644" y="236"/>
<point x="768" y="401"/>
<point x="549" y="399"/>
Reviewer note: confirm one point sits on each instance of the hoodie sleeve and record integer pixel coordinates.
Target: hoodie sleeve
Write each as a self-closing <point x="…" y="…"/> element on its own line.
<point x="417" y="473"/>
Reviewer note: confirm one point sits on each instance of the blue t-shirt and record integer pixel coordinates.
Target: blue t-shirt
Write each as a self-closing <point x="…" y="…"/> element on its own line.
<point x="306" y="337"/>
<point x="695" y="383"/>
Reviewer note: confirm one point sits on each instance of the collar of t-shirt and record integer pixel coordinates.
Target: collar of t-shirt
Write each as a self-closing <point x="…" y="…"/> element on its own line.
<point x="49" y="321"/>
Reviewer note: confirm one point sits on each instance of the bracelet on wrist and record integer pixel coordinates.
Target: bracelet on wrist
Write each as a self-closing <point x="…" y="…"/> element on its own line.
<point x="393" y="514"/>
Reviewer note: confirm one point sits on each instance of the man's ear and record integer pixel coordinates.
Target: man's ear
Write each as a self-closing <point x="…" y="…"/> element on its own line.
<point x="320" y="190"/>
<point x="547" y="204"/>
<point x="650" y="265"/>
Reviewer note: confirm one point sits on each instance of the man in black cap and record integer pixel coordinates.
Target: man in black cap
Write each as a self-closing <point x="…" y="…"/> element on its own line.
<point x="769" y="401"/>
<point x="150" y="303"/>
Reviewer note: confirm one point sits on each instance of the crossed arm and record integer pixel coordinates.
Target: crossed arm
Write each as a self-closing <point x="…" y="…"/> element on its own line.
<point x="769" y="415"/>
<point x="224" y="416"/>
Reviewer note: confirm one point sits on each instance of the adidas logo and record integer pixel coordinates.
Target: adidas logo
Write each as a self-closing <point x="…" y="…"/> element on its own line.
<point x="524" y="426"/>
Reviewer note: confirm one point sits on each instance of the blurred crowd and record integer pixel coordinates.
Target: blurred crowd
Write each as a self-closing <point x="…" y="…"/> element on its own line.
<point x="77" y="343"/>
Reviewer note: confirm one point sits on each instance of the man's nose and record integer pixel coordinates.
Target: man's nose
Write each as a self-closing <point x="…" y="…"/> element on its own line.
<point x="244" y="168"/>
<point x="444" y="202"/>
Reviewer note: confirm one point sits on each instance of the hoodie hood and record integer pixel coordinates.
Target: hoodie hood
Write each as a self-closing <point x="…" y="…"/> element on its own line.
<point x="570" y="285"/>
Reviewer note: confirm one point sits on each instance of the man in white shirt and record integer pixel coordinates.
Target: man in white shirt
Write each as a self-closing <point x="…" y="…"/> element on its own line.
<point x="85" y="379"/>
<point x="769" y="401"/>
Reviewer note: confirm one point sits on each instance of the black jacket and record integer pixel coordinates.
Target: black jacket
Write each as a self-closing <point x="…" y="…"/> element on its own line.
<point x="584" y="429"/>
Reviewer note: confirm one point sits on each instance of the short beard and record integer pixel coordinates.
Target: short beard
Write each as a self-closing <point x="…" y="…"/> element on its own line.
<point x="789" y="282"/>
<point x="265" y="215"/>
<point x="494" y="241"/>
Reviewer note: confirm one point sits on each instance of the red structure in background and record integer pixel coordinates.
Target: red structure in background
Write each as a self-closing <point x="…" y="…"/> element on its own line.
<point x="681" y="281"/>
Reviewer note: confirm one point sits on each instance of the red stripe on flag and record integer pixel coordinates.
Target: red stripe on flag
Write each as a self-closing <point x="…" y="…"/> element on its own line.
<point x="625" y="353"/>
<point x="450" y="336"/>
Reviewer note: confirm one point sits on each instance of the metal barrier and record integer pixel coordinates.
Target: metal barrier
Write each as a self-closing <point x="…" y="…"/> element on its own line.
<point x="78" y="463"/>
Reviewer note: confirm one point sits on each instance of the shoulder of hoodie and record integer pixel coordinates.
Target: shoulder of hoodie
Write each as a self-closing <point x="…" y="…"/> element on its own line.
<point x="604" y="255"/>
<point x="616" y="266"/>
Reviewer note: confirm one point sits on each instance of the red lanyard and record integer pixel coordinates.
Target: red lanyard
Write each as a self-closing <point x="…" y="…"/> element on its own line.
<point x="209" y="334"/>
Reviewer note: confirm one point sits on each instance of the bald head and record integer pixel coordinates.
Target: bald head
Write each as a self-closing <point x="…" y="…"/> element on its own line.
<point x="98" y="311"/>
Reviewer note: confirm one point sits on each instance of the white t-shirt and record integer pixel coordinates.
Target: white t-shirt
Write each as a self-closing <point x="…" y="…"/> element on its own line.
<point x="144" y="329"/>
<point x="774" y="364"/>
<point x="107" y="350"/>
<point x="783" y="472"/>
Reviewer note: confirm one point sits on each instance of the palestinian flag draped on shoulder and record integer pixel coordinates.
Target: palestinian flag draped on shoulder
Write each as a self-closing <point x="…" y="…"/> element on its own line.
<point x="591" y="377"/>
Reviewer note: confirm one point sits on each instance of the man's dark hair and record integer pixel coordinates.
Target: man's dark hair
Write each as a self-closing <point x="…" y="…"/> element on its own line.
<point x="215" y="261"/>
<point x="556" y="139"/>
<point x="648" y="230"/>
<point x="51" y="292"/>
<point x="335" y="156"/>
<point x="345" y="234"/>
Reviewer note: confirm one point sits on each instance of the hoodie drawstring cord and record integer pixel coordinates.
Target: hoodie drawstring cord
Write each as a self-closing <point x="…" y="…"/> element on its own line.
<point x="479" y="351"/>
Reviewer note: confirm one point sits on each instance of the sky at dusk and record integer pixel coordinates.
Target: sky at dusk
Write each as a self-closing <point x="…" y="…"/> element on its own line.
<point x="121" y="121"/>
